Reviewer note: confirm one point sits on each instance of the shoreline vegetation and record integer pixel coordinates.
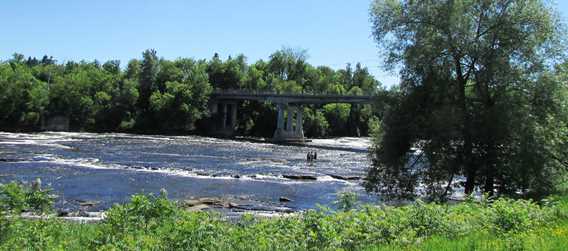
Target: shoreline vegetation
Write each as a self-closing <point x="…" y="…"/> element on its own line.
<point x="152" y="222"/>
<point x="155" y="95"/>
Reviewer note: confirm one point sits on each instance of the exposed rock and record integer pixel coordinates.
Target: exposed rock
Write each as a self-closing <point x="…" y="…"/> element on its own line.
<point x="284" y="199"/>
<point x="82" y="220"/>
<point x="339" y="177"/>
<point x="95" y="214"/>
<point x="9" y="160"/>
<point x="299" y="177"/>
<point x="83" y="217"/>
<point x="213" y="201"/>
<point x="63" y="213"/>
<point x="197" y="208"/>
<point x="190" y="203"/>
<point x="236" y="176"/>
<point x="88" y="203"/>
<point x="205" y="201"/>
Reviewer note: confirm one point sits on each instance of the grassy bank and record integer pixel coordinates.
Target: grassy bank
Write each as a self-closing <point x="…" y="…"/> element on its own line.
<point x="156" y="223"/>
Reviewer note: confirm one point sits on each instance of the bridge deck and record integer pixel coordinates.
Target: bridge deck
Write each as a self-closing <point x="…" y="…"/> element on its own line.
<point x="291" y="98"/>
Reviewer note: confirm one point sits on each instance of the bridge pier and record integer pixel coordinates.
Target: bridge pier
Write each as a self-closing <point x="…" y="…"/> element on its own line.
<point x="289" y="133"/>
<point x="228" y="118"/>
<point x="300" y="123"/>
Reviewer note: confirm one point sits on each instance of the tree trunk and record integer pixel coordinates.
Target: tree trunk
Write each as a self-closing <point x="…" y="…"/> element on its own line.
<point x="467" y="153"/>
<point x="470" y="181"/>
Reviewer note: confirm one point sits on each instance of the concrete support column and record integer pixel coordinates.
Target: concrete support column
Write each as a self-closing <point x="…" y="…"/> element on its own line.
<point x="233" y="116"/>
<point x="280" y="122"/>
<point x="299" y="121"/>
<point x="224" y="119"/>
<point x="290" y="112"/>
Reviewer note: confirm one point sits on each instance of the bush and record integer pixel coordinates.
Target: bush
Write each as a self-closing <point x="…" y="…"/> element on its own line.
<point x="347" y="201"/>
<point x="16" y="198"/>
<point x="13" y="198"/>
<point x="507" y="215"/>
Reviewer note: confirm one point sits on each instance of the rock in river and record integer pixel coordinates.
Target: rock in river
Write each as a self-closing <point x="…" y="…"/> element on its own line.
<point x="299" y="177"/>
<point x="284" y="199"/>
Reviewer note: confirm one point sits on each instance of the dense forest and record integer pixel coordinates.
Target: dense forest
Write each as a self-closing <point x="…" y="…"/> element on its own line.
<point x="155" y="95"/>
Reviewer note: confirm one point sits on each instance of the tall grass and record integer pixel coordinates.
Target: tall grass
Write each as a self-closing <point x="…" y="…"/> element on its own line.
<point x="150" y="222"/>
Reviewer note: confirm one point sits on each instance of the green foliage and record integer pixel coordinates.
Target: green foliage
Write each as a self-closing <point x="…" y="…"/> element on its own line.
<point x="347" y="201"/>
<point x="22" y="97"/>
<point x="16" y="198"/>
<point x="315" y="123"/>
<point x="156" y="223"/>
<point x="475" y="101"/>
<point x="156" y="95"/>
<point x="13" y="198"/>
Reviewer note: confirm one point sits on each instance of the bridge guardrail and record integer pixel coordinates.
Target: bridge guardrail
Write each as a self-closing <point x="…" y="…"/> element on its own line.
<point x="228" y="92"/>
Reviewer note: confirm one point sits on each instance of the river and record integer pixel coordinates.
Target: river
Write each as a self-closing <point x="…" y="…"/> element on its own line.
<point x="109" y="168"/>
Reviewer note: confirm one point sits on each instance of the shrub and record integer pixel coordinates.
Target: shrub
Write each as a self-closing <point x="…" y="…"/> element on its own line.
<point x="507" y="215"/>
<point x="16" y="198"/>
<point x="13" y="198"/>
<point x="347" y="201"/>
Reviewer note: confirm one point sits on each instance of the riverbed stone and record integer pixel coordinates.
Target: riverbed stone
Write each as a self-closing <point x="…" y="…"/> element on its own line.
<point x="299" y="177"/>
<point x="340" y="177"/>
<point x="284" y="199"/>
<point x="88" y="203"/>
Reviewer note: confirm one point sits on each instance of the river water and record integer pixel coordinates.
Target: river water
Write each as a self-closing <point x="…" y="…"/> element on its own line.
<point x="109" y="168"/>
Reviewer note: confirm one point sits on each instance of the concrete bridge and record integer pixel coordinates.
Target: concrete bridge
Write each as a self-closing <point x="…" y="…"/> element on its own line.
<point x="289" y="129"/>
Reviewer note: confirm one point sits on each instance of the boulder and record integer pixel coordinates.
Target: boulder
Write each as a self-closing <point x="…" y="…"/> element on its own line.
<point x="88" y="203"/>
<point x="284" y="199"/>
<point x="299" y="177"/>
<point x="197" y="208"/>
<point x="339" y="177"/>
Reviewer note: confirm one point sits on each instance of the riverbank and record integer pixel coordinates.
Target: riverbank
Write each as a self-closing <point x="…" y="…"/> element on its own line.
<point x="156" y="223"/>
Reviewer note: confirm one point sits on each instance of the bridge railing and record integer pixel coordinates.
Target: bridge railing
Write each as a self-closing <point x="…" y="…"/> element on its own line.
<point x="232" y="92"/>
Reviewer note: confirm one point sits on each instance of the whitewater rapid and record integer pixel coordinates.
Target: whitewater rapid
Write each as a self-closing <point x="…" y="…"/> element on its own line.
<point x="109" y="168"/>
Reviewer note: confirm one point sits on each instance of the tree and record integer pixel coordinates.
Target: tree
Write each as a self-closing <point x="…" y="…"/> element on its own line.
<point x="148" y="76"/>
<point x="22" y="97"/>
<point x="182" y="103"/>
<point x="471" y="72"/>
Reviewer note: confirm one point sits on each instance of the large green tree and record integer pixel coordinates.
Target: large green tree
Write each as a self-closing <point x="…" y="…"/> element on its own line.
<point x="477" y="105"/>
<point x="150" y="68"/>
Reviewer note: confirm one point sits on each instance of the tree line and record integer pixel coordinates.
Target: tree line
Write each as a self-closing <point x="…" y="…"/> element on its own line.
<point x="156" y="95"/>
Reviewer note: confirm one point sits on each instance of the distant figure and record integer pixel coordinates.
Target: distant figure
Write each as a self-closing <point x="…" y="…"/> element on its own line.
<point x="315" y="155"/>
<point x="310" y="157"/>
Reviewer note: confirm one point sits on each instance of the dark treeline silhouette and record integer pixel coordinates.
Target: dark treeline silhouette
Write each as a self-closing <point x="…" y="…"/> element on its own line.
<point x="155" y="95"/>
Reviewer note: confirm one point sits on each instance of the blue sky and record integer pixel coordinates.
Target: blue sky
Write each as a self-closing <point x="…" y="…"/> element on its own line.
<point x="334" y="32"/>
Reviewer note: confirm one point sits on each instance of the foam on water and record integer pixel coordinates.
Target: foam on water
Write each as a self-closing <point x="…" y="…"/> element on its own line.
<point x="94" y="163"/>
<point x="347" y="142"/>
<point x="214" y="167"/>
<point x="34" y="139"/>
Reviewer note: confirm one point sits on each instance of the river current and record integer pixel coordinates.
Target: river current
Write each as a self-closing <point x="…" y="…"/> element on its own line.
<point x="109" y="168"/>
